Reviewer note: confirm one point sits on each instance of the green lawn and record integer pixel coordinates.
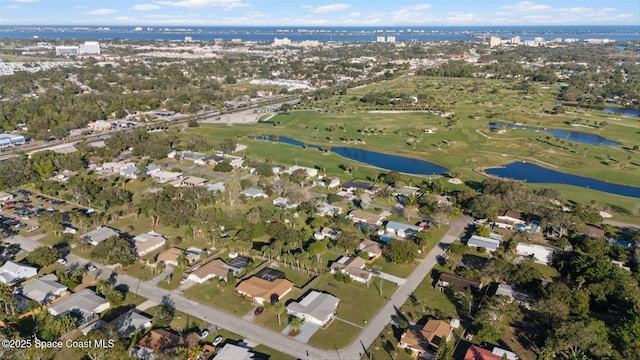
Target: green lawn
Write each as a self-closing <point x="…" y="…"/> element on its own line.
<point x="131" y="300"/>
<point x="171" y="282"/>
<point x="181" y="321"/>
<point x="427" y="300"/>
<point x="401" y="270"/>
<point x="210" y="293"/>
<point x="548" y="272"/>
<point x="269" y="318"/>
<point x="338" y="335"/>
<point x="299" y="279"/>
<point x="385" y="344"/>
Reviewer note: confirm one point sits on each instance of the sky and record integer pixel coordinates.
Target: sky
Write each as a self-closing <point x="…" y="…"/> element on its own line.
<point x="319" y="13"/>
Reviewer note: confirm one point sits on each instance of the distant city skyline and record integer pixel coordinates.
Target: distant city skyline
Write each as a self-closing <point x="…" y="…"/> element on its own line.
<point x="318" y="13"/>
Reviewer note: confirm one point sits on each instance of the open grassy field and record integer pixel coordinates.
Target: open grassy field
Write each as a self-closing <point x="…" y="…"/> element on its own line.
<point x="223" y="298"/>
<point x="466" y="146"/>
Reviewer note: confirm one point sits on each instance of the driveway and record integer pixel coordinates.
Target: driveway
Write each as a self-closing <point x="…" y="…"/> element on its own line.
<point x="306" y="331"/>
<point x="394" y="279"/>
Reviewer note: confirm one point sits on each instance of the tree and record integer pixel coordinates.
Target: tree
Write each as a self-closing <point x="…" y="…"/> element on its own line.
<point x="164" y="314"/>
<point x="227" y="146"/>
<point x="400" y="251"/>
<point x="223" y="167"/>
<point x="298" y="176"/>
<point x="422" y="238"/>
<point x="279" y="309"/>
<point x="587" y="337"/>
<point x="348" y="239"/>
<point x="481" y="230"/>
<point x="115" y="250"/>
<point x="295" y="324"/>
<point x="317" y="248"/>
<point x="43" y="256"/>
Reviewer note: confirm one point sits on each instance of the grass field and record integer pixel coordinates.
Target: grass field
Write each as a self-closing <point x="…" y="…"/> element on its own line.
<point x="462" y="148"/>
<point x="224" y="299"/>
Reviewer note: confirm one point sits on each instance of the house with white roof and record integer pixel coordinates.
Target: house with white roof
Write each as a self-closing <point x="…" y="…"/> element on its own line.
<point x="12" y="273"/>
<point x="254" y="193"/>
<point x="233" y="352"/>
<point x="189" y="181"/>
<point x="217" y="187"/>
<point x="508" y="219"/>
<point x="165" y="176"/>
<point x="128" y="323"/>
<point x="401" y="229"/>
<point x="325" y="209"/>
<point x="211" y="270"/>
<point x="326" y="232"/>
<point x="146" y="243"/>
<point x="191" y="156"/>
<point x="84" y="303"/>
<point x="285" y="203"/>
<point x="354" y="266"/>
<point x="43" y="289"/>
<point x="541" y="254"/>
<point x="359" y="216"/>
<point x="130" y="172"/>
<point x="318" y="308"/>
<point x="484" y="242"/>
<point x="99" y="235"/>
<point x="311" y="172"/>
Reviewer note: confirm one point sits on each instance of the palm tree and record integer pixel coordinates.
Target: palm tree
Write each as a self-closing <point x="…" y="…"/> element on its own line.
<point x="295" y="324"/>
<point x="279" y="309"/>
<point x="182" y="261"/>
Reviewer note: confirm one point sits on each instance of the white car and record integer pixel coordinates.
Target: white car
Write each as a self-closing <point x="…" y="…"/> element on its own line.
<point x="33" y="228"/>
<point x="204" y="333"/>
<point x="62" y="261"/>
<point x="91" y="267"/>
<point x="184" y="280"/>
<point x="217" y="340"/>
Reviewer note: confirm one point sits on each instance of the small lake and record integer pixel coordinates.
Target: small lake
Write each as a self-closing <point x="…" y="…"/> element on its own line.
<point x="609" y="109"/>
<point x="576" y="136"/>
<point x="539" y="175"/>
<point x="380" y="160"/>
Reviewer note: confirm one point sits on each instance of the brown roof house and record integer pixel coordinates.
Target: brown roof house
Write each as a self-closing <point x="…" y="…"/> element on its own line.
<point x="359" y="216"/>
<point x="352" y="265"/>
<point x="170" y="256"/>
<point x="508" y="218"/>
<point x="371" y="248"/>
<point x="261" y="290"/>
<point x="457" y="283"/>
<point x="161" y="341"/>
<point x="146" y="243"/>
<point x="211" y="270"/>
<point x="593" y="231"/>
<point x="426" y="341"/>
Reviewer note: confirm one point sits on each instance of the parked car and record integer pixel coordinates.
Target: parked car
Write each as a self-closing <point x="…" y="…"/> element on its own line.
<point x="91" y="267"/>
<point x="33" y="228"/>
<point x="204" y="333"/>
<point x="258" y="311"/>
<point x="62" y="261"/>
<point x="184" y="280"/>
<point x="217" y="340"/>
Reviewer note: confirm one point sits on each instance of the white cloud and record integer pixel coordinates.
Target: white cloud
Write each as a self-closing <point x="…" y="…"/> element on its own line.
<point x="100" y="12"/>
<point x="355" y="15"/>
<point x="26" y="1"/>
<point x="460" y="19"/>
<point x="225" y="4"/>
<point x="415" y="14"/>
<point x="525" y="7"/>
<point x="332" y="7"/>
<point x="146" y="7"/>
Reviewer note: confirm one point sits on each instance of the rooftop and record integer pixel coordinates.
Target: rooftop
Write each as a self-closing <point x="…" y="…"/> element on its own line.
<point x="315" y="304"/>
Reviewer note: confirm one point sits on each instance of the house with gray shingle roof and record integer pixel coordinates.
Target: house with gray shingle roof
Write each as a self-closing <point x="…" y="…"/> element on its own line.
<point x="12" y="273"/>
<point x="99" y="235"/>
<point x="43" y="290"/>
<point x="318" y="308"/>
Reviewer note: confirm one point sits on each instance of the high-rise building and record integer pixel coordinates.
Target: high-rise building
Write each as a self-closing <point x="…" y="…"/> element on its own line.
<point x="89" y="47"/>
<point x="281" y="42"/>
<point x="494" y="41"/>
<point x="391" y="39"/>
<point x="380" y="39"/>
<point x="66" y="50"/>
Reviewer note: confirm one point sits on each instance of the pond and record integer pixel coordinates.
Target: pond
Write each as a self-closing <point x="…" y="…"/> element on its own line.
<point x="609" y="109"/>
<point x="539" y="175"/>
<point x="576" y="136"/>
<point x="380" y="160"/>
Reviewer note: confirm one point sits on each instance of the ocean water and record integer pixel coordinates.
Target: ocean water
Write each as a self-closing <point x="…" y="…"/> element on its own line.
<point x="323" y="34"/>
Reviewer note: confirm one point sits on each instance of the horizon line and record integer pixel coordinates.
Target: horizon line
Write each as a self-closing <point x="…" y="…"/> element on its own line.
<point x="323" y="26"/>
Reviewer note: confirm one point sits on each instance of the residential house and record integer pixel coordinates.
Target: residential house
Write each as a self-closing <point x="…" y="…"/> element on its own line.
<point x="353" y="266"/>
<point x="69" y="230"/>
<point x="211" y="270"/>
<point x="260" y="290"/>
<point x="477" y="353"/>
<point x="146" y="243"/>
<point x="325" y="209"/>
<point x="114" y="167"/>
<point x="353" y="186"/>
<point x="401" y="229"/>
<point x="514" y="295"/>
<point x="170" y="256"/>
<point x="237" y="264"/>
<point x="100" y="125"/>
<point x="210" y="160"/>
<point x="191" y="156"/>
<point x="160" y="341"/>
<point x="270" y="274"/>
<point x="165" y="176"/>
<point x="426" y="341"/>
<point x="85" y="304"/>
<point x="457" y="283"/>
<point x="332" y="182"/>
<point x="541" y="254"/>
<point x="189" y="181"/>
<point x="12" y="273"/>
<point x="151" y="169"/>
<point x="130" y="172"/>
<point x="508" y="219"/>
<point x="593" y="231"/>
<point x="99" y="235"/>
<point x="371" y="248"/>
<point x="5" y="196"/>
<point x="326" y="232"/>
<point x="284" y="203"/>
<point x="128" y="323"/>
<point x="316" y="307"/>
<point x="233" y="352"/>
<point x="217" y="187"/>
<point x="310" y="171"/>
<point x="43" y="289"/>
<point x="254" y="193"/>
<point x="484" y="242"/>
<point x="359" y="216"/>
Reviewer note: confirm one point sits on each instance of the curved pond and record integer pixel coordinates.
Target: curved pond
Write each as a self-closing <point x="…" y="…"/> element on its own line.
<point x="537" y="174"/>
<point x="384" y="161"/>
<point x="577" y="136"/>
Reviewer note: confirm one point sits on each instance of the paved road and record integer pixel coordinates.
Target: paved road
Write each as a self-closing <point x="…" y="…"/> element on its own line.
<point x="621" y="224"/>
<point x="269" y="337"/>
